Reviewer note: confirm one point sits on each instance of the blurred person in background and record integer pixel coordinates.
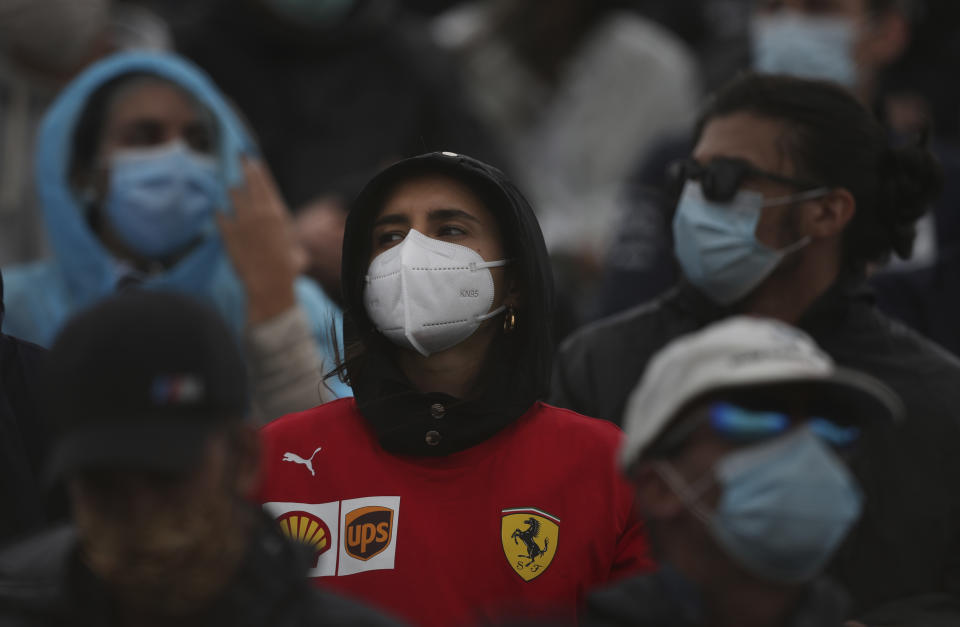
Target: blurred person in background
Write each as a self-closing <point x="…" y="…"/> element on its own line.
<point x="134" y="162"/>
<point x="148" y="392"/>
<point x="575" y="91"/>
<point x="790" y="193"/>
<point x="923" y="88"/>
<point x="851" y="42"/>
<point x="24" y="438"/>
<point x="43" y="44"/>
<point x="737" y="442"/>
<point x="334" y="91"/>
<point x="452" y="494"/>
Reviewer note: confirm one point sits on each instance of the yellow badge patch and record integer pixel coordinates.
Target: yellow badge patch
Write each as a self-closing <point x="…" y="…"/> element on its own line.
<point x="530" y="538"/>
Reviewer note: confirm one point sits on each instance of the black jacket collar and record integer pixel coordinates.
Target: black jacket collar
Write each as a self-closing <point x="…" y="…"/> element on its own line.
<point x="407" y="422"/>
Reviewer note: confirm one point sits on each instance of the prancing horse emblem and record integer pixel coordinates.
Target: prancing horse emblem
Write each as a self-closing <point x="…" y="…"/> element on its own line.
<point x="537" y="532"/>
<point x="308" y="462"/>
<point x="529" y="538"/>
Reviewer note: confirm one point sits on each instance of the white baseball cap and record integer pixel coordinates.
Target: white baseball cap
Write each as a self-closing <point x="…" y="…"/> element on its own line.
<point x="739" y="353"/>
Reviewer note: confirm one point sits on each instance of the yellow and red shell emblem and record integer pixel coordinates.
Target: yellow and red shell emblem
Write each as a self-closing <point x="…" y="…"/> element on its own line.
<point x="306" y="528"/>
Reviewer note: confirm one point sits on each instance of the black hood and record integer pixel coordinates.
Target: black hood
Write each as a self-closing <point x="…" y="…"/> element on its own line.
<point x="517" y="370"/>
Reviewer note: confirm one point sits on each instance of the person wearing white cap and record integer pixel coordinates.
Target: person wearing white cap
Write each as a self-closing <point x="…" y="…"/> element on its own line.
<point x="736" y="440"/>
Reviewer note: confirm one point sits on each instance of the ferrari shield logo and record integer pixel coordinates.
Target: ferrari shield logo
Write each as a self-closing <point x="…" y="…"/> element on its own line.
<point x="530" y="539"/>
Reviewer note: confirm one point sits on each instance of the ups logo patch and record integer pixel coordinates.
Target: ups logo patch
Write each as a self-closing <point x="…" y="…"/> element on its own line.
<point x="368" y="531"/>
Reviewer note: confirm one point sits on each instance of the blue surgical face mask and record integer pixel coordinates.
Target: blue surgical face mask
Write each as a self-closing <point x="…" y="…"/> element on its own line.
<point x="716" y="243"/>
<point x="785" y="505"/>
<point x="805" y="46"/>
<point x="161" y="199"/>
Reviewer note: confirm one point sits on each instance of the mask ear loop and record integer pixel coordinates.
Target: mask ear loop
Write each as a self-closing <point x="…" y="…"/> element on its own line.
<point x="474" y="266"/>
<point x="795" y="198"/>
<point x="688" y="494"/>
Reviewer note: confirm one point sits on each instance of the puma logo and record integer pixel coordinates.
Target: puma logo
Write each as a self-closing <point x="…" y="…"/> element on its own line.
<point x="308" y="462"/>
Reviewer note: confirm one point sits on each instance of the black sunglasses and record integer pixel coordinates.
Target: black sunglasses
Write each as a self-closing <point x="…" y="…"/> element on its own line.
<point x="722" y="177"/>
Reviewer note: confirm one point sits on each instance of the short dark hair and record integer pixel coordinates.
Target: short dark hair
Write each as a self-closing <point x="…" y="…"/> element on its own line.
<point x="832" y="139"/>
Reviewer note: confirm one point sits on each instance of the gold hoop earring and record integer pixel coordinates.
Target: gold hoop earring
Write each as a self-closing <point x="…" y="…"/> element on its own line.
<point x="510" y="320"/>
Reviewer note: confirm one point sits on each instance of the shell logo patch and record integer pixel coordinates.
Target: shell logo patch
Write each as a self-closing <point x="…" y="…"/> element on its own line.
<point x="530" y="538"/>
<point x="368" y="531"/>
<point x="308" y="529"/>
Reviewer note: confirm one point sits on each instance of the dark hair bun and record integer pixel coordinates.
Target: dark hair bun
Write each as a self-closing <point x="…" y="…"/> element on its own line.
<point x="910" y="181"/>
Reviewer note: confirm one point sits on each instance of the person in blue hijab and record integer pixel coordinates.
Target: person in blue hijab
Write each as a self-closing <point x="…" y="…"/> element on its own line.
<point x="148" y="179"/>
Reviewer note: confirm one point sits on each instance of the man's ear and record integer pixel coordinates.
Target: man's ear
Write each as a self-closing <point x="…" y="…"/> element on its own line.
<point x="830" y="215"/>
<point x="887" y="39"/>
<point x="656" y="500"/>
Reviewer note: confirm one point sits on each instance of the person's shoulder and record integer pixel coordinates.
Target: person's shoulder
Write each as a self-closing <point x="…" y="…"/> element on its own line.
<point x="36" y="300"/>
<point x="568" y="425"/>
<point x="333" y="609"/>
<point x="894" y="338"/>
<point x="312" y="297"/>
<point x="607" y="334"/>
<point x="25" y="282"/>
<point x="14" y="275"/>
<point x="340" y="414"/>
<point x="37" y="562"/>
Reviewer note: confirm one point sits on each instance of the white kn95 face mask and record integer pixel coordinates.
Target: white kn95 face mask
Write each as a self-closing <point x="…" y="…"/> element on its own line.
<point x="429" y="295"/>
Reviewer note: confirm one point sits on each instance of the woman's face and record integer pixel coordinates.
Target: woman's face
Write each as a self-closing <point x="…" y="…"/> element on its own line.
<point x="444" y="209"/>
<point x="151" y="113"/>
<point x="760" y="141"/>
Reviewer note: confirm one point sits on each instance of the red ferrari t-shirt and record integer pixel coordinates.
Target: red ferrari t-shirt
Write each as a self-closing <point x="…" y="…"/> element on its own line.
<point x="520" y="525"/>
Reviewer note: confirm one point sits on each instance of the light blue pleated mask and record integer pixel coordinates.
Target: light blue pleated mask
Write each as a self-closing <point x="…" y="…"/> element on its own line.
<point x="716" y="243"/>
<point x="785" y="507"/>
<point x="805" y="46"/>
<point x="162" y="198"/>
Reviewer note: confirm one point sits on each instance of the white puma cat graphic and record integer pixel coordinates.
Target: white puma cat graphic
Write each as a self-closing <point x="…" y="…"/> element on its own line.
<point x="308" y="462"/>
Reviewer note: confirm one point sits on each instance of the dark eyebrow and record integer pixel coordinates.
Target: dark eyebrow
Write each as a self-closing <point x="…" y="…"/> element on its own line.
<point x="451" y="214"/>
<point x="434" y="215"/>
<point x="391" y="218"/>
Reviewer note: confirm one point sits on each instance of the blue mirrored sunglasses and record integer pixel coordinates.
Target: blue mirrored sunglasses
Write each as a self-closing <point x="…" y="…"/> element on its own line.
<point x="743" y="425"/>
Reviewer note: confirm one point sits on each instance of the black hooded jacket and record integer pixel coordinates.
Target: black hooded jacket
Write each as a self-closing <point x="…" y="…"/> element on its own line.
<point x="23" y="437"/>
<point x="517" y="371"/>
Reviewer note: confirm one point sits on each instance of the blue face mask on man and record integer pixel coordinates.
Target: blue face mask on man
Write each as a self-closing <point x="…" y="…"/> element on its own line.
<point x="716" y="242"/>
<point x="785" y="507"/>
<point x="805" y="46"/>
<point x="161" y="199"/>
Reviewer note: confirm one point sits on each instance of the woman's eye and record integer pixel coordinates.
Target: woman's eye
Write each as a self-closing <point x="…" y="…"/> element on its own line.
<point x="389" y="238"/>
<point x="452" y="230"/>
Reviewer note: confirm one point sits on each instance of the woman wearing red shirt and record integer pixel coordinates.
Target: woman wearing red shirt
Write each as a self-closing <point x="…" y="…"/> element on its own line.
<point x="444" y="491"/>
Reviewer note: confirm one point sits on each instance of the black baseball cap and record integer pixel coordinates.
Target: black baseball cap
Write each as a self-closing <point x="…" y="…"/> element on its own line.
<point x="139" y="382"/>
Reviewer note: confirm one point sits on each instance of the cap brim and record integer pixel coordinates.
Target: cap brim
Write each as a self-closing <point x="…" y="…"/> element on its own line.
<point x="847" y="396"/>
<point x="158" y="444"/>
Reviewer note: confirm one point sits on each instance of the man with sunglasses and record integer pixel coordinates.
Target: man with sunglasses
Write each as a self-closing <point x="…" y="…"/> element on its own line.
<point x="736" y="445"/>
<point x="792" y="195"/>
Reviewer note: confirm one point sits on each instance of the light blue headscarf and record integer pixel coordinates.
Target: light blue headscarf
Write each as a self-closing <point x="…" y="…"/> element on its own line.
<point x="41" y="296"/>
